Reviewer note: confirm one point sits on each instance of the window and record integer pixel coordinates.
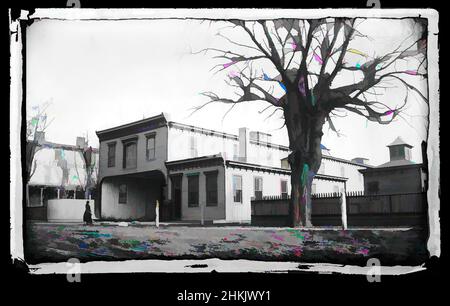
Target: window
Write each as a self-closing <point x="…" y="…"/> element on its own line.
<point x="193" y="146"/>
<point x="193" y="190"/>
<point x="129" y="154"/>
<point x="284" y="192"/>
<point x="35" y="196"/>
<point x="342" y="171"/>
<point x="313" y="188"/>
<point x="150" y="147"/>
<point x="111" y="155"/>
<point x="373" y="187"/>
<point x="211" y="188"/>
<point x="258" y="184"/>
<point x="123" y="194"/>
<point x="237" y="189"/>
<point x="397" y="152"/>
<point x="408" y="153"/>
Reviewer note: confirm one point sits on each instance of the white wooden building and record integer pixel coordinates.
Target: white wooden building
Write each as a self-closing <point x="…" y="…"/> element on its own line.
<point x="199" y="173"/>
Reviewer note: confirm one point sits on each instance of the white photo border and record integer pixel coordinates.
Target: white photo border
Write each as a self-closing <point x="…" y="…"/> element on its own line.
<point x="240" y="265"/>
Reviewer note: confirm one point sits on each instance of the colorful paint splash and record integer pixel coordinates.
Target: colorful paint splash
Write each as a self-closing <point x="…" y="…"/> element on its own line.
<point x="354" y="51"/>
<point x="97" y="242"/>
<point x="282" y="86"/>
<point x="411" y="72"/>
<point x="298" y="251"/>
<point x="301" y="86"/>
<point x="267" y="78"/>
<point x="313" y="99"/>
<point x="318" y="58"/>
<point x="229" y="64"/>
<point x="304" y="174"/>
<point x="278" y="237"/>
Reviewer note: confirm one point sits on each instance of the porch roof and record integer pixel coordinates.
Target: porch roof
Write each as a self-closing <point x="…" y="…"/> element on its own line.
<point x="255" y="167"/>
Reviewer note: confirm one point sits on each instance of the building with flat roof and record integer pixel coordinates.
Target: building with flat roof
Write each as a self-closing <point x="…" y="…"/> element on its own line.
<point x="196" y="173"/>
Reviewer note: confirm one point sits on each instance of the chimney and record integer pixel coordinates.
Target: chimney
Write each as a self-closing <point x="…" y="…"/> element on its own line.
<point x="81" y="142"/>
<point x="244" y="143"/>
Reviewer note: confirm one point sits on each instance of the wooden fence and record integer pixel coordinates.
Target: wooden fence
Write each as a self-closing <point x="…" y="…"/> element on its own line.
<point x="401" y="209"/>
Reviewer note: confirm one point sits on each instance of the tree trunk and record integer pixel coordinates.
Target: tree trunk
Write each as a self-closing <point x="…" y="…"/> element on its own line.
<point x="301" y="182"/>
<point x="304" y="125"/>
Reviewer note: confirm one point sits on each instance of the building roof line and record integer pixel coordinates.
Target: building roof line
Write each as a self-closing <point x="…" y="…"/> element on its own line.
<point x="379" y="168"/>
<point x="194" y="159"/>
<point x="286" y="171"/>
<point x="200" y="129"/>
<point x="119" y="127"/>
<point x="218" y="133"/>
<point x="54" y="145"/>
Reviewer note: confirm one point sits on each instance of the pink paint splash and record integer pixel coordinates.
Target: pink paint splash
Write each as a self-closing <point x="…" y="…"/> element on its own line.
<point x="389" y="112"/>
<point x="301" y="86"/>
<point x="411" y="72"/>
<point x="294" y="46"/>
<point x="233" y="74"/>
<point x="318" y="58"/>
<point x="278" y="237"/>
<point x="298" y="252"/>
<point x="363" y="251"/>
<point x="341" y="250"/>
<point x="228" y="64"/>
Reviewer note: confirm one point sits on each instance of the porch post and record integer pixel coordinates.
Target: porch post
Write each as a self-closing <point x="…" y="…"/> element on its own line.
<point x="41" y="201"/>
<point x="202" y="212"/>
<point x="157" y="214"/>
<point x="344" y="207"/>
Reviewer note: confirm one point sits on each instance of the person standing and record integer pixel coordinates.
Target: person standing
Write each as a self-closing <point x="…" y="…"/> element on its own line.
<point x="87" y="217"/>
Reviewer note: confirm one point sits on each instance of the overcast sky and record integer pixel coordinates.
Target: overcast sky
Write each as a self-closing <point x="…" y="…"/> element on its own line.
<point x="99" y="74"/>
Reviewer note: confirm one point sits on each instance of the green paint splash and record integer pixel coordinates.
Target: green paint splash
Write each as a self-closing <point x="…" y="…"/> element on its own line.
<point x="313" y="99"/>
<point x="304" y="175"/>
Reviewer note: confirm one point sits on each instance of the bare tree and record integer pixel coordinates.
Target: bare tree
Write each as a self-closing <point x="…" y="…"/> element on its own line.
<point x="37" y="123"/>
<point x="89" y="160"/>
<point x="308" y="58"/>
<point x="90" y="165"/>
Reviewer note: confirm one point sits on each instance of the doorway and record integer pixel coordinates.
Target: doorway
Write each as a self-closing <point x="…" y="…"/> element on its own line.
<point x="176" y="196"/>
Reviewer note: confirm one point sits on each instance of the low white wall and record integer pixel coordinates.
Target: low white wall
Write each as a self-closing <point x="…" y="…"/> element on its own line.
<point x="67" y="210"/>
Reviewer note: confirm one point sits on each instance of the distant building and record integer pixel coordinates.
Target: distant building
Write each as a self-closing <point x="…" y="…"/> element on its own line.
<point x="192" y="170"/>
<point x="399" y="175"/>
<point x="59" y="172"/>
